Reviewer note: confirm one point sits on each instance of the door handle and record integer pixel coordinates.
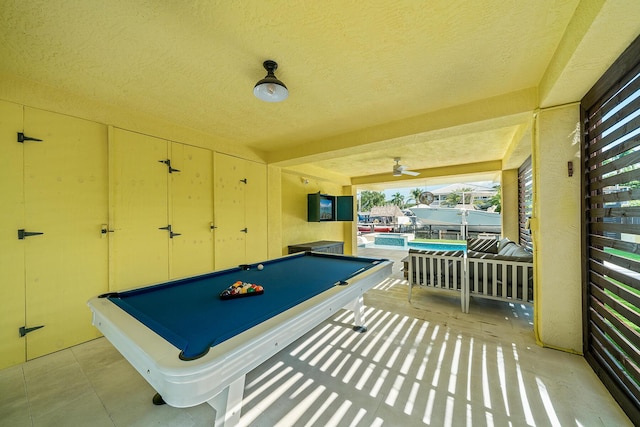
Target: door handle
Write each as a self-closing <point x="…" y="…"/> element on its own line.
<point x="244" y="230"/>
<point x="104" y="229"/>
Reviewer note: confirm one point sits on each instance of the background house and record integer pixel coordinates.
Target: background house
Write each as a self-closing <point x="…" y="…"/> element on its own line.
<point x="473" y="193"/>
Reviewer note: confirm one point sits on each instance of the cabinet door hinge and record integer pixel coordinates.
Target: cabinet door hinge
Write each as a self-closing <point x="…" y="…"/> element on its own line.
<point x="168" y="163"/>
<point x="22" y="233"/>
<point x="23" y="330"/>
<point x="22" y="138"/>
<point x="171" y="233"/>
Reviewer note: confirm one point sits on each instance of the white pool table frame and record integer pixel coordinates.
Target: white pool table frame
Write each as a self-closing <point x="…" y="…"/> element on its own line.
<point x="218" y="377"/>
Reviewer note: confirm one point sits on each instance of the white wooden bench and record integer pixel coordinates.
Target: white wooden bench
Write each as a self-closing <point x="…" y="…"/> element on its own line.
<point x="443" y="270"/>
<point x="479" y="275"/>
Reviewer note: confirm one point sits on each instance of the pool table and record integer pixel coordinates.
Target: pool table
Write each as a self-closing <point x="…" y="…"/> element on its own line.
<point x="193" y="346"/>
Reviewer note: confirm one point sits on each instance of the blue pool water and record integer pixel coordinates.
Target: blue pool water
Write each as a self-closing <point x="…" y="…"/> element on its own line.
<point x="391" y="243"/>
<point x="438" y="246"/>
<point x="401" y="241"/>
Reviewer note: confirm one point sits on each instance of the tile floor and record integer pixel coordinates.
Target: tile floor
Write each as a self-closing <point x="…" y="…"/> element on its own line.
<point x="422" y="363"/>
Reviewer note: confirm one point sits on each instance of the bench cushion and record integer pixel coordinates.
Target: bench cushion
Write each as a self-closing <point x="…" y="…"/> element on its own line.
<point x="483" y="245"/>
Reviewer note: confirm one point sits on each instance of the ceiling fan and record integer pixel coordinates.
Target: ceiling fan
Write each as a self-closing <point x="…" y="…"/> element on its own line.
<point x="399" y="170"/>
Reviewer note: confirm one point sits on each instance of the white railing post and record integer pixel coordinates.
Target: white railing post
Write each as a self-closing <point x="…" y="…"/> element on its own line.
<point x="411" y="273"/>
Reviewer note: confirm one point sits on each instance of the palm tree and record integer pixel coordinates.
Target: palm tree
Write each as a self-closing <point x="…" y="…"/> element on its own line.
<point x="496" y="200"/>
<point x="415" y="195"/>
<point x="452" y="199"/>
<point x="369" y="199"/>
<point x="398" y="200"/>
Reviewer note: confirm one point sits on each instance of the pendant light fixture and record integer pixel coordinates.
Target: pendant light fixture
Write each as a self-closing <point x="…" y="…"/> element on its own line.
<point x="270" y="89"/>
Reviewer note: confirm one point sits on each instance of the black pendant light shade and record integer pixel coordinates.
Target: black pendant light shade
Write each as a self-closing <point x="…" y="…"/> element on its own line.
<point x="270" y="89"/>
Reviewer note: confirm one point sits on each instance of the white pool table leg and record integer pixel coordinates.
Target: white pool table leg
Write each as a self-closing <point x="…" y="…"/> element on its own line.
<point x="358" y="313"/>
<point x="228" y="404"/>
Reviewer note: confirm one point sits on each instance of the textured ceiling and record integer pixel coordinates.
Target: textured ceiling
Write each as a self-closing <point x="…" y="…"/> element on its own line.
<point x="353" y="69"/>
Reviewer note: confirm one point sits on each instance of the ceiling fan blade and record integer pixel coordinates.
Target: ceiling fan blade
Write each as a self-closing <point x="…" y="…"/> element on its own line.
<point x="399" y="169"/>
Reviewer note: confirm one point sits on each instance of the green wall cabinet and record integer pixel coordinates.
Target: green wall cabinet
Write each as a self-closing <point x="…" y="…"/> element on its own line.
<point x="323" y="207"/>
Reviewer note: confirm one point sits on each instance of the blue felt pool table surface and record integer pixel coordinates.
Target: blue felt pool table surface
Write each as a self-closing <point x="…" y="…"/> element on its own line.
<point x="190" y="315"/>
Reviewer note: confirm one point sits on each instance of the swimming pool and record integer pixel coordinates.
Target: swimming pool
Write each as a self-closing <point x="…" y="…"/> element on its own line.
<point x="438" y="246"/>
<point x="431" y="246"/>
<point x="405" y="242"/>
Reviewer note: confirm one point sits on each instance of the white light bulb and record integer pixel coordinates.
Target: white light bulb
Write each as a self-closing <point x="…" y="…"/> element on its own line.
<point x="271" y="92"/>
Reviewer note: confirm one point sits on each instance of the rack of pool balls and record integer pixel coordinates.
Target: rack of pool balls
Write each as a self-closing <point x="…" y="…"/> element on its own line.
<point x="241" y="289"/>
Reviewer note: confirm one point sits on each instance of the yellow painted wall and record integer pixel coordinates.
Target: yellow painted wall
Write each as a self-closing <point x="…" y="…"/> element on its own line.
<point x="349" y="227"/>
<point x="510" y="220"/>
<point x="295" y="228"/>
<point x="556" y="229"/>
<point x="274" y="212"/>
<point x="32" y="94"/>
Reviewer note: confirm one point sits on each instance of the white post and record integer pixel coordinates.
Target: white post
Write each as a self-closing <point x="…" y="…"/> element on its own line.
<point x="464" y="224"/>
<point x="466" y="294"/>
